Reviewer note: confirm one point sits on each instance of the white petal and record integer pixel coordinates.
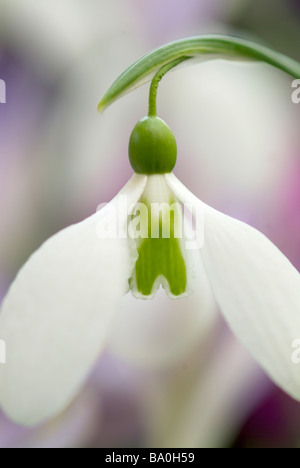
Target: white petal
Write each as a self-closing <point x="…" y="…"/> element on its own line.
<point x="257" y="289"/>
<point x="56" y="314"/>
<point x="161" y="332"/>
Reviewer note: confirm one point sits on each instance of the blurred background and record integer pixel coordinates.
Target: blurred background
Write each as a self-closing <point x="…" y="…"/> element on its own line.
<point x="174" y="376"/>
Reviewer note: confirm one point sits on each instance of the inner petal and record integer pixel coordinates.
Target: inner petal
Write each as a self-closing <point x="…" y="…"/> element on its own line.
<point x="158" y="219"/>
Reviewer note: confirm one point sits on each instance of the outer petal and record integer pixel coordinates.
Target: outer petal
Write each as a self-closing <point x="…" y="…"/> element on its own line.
<point x="56" y="314"/>
<point x="257" y="289"/>
<point x="161" y="332"/>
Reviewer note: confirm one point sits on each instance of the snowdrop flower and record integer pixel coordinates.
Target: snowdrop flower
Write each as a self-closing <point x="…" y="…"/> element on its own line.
<point x="57" y="313"/>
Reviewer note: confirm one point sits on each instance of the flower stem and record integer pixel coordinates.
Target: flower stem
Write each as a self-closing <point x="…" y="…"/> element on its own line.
<point x="155" y="82"/>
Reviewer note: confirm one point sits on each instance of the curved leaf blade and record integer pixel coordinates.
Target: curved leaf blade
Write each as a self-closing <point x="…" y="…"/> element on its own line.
<point x="209" y="46"/>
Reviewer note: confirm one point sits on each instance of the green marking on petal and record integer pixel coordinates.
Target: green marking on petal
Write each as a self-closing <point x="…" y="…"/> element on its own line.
<point x="157" y="219"/>
<point x="160" y="257"/>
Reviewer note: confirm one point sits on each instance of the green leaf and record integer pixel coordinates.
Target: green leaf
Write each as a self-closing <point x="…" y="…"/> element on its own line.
<point x="208" y="47"/>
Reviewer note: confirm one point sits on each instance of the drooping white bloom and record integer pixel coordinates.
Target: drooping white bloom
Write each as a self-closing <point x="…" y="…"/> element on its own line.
<point x="57" y="313"/>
